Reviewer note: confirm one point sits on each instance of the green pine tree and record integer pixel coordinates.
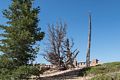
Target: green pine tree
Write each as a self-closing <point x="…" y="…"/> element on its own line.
<point x="22" y="31"/>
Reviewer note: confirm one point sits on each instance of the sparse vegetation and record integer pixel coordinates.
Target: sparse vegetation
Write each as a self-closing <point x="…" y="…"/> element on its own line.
<point x="114" y="76"/>
<point x="102" y="71"/>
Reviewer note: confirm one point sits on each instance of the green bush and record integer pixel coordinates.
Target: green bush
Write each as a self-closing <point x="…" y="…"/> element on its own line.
<point x="21" y="72"/>
<point x="9" y="71"/>
<point x="25" y="72"/>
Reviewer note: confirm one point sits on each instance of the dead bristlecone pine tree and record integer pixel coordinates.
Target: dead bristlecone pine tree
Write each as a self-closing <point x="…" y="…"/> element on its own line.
<point x="58" y="51"/>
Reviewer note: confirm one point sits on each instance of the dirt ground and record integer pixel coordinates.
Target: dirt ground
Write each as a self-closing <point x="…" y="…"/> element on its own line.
<point x="68" y="78"/>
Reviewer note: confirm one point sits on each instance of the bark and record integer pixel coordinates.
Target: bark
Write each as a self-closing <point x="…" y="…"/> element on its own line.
<point x="89" y="44"/>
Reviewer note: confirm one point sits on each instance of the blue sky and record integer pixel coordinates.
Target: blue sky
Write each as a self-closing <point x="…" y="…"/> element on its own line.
<point x="105" y="25"/>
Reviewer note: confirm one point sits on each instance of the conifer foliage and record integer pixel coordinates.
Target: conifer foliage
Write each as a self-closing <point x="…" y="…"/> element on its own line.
<point x="21" y="31"/>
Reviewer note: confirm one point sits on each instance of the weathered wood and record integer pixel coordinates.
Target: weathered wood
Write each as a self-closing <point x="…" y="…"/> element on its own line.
<point x="89" y="43"/>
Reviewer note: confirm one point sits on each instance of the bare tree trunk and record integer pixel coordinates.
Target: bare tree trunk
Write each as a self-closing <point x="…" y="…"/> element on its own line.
<point x="89" y="44"/>
<point x="70" y="56"/>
